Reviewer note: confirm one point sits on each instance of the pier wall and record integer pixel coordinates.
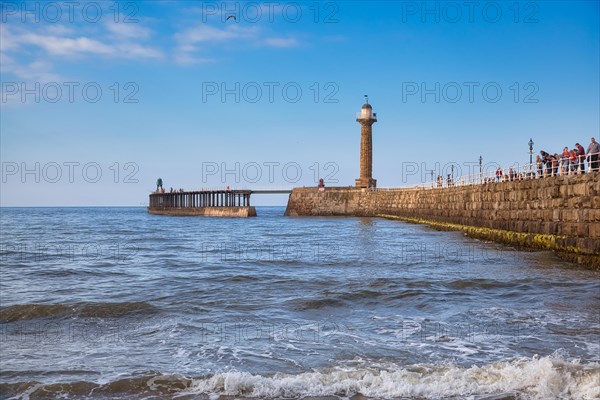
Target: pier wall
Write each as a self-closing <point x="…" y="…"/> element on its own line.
<point x="238" y="212"/>
<point x="559" y="213"/>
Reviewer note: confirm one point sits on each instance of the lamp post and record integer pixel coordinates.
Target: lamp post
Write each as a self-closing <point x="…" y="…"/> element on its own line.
<point x="530" y="156"/>
<point x="480" y="169"/>
<point x="431" y="171"/>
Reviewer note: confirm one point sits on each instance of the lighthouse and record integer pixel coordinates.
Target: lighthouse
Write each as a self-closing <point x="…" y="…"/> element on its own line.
<point x="366" y="118"/>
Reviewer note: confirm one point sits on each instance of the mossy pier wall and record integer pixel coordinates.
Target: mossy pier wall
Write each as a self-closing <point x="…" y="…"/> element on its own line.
<point x="556" y="213"/>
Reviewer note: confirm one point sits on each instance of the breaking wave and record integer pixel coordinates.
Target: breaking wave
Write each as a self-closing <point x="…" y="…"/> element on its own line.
<point x="526" y="378"/>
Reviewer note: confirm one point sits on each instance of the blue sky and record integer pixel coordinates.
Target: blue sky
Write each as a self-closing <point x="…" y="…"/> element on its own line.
<point x="205" y="101"/>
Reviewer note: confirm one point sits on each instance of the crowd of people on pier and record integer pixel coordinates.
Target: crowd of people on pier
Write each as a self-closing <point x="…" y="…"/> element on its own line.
<point x="573" y="161"/>
<point x="569" y="162"/>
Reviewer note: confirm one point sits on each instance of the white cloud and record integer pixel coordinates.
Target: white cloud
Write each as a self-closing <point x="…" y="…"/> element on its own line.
<point x="186" y="50"/>
<point x="33" y="53"/>
<point x="35" y="71"/>
<point x="127" y="31"/>
<point x="205" y="33"/>
<point x="57" y="41"/>
<point x="133" y="50"/>
<point x="58" y="30"/>
<point x="184" y="58"/>
<point x="53" y="44"/>
<point x="7" y="40"/>
<point x="281" y="42"/>
<point x="66" y="46"/>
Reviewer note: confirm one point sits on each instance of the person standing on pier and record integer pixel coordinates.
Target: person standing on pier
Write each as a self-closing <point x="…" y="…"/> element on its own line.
<point x="593" y="152"/>
<point x="511" y="174"/>
<point x="555" y="164"/>
<point x="580" y="157"/>
<point x="547" y="160"/>
<point x="573" y="162"/>
<point x="540" y="166"/>
<point x="498" y="174"/>
<point x="565" y="161"/>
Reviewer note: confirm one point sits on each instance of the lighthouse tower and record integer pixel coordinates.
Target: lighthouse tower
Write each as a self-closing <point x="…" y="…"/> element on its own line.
<point x="366" y="118"/>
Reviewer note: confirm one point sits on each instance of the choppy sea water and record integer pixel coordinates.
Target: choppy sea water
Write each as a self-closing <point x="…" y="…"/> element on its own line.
<point x="115" y="303"/>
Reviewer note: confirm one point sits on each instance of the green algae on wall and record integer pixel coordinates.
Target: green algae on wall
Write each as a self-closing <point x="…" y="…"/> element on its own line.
<point x="516" y="239"/>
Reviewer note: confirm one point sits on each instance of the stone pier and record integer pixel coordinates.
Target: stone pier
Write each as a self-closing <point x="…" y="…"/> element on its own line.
<point x="556" y="213"/>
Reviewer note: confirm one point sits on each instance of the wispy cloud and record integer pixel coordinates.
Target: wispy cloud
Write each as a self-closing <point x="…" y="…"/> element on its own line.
<point x="33" y="47"/>
<point x="63" y="46"/>
<point x="32" y="52"/>
<point x="281" y="42"/>
<point x="119" y="44"/>
<point x="38" y="71"/>
<point x="187" y="58"/>
<point x="7" y="39"/>
<point x="123" y="31"/>
<point x="209" y="34"/>
<point x="189" y="41"/>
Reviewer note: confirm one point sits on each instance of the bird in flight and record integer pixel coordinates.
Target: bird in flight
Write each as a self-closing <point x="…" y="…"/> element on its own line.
<point x="230" y="17"/>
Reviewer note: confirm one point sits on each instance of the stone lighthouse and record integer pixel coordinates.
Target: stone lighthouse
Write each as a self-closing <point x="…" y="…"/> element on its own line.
<point x="366" y="118"/>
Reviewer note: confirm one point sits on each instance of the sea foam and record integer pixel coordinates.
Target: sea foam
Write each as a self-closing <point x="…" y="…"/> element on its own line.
<point x="534" y="378"/>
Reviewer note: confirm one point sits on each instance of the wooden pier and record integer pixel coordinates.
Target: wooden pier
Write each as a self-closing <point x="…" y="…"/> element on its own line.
<point x="215" y="203"/>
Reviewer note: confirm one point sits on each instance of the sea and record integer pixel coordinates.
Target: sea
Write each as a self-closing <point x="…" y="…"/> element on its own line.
<point x="114" y="303"/>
